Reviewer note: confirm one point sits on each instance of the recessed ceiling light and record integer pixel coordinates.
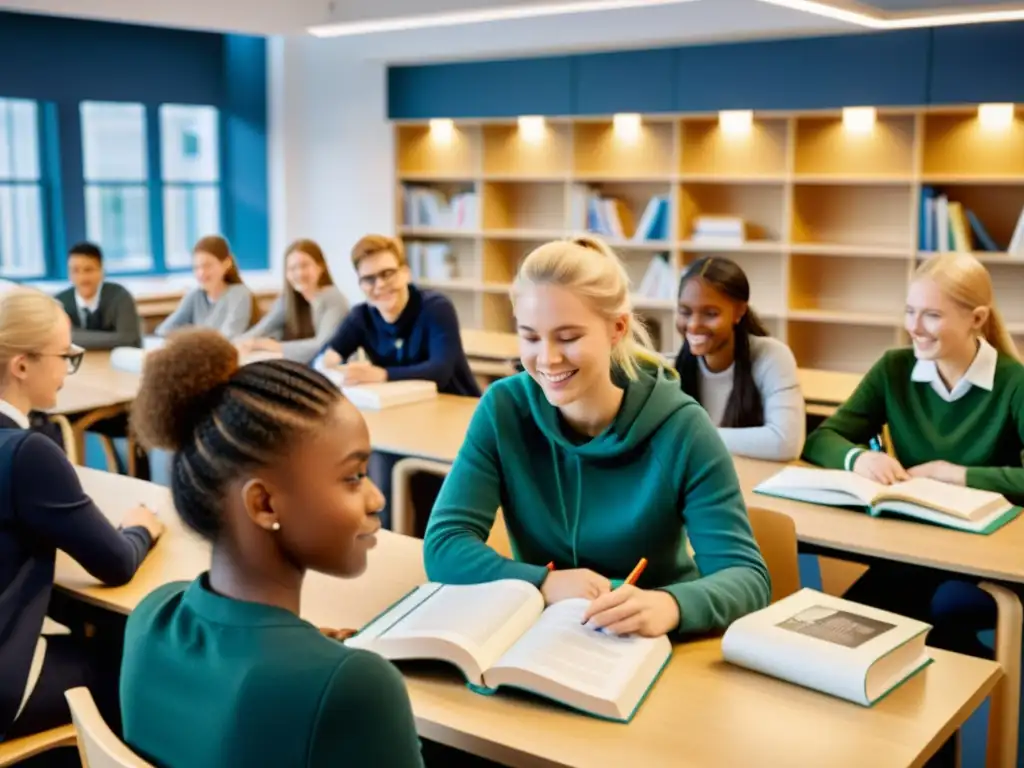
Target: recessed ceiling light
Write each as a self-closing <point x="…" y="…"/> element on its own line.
<point x="900" y="22"/>
<point x="480" y="15"/>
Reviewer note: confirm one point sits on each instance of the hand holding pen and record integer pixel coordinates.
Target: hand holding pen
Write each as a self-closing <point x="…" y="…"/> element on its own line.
<point x="629" y="610"/>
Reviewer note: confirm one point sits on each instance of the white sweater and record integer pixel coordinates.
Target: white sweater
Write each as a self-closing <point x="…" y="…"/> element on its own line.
<point x="785" y="420"/>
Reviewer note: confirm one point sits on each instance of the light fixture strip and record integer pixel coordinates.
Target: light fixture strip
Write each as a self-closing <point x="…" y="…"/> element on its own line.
<point x="900" y="22"/>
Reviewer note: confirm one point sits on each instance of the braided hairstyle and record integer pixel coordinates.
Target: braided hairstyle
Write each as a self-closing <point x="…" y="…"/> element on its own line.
<point x="222" y="420"/>
<point x="744" y="407"/>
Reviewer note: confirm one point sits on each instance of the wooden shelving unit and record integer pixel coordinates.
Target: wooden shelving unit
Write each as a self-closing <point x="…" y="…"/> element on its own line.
<point x="832" y="214"/>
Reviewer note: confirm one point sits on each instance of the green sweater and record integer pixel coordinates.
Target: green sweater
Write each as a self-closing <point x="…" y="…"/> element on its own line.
<point x="657" y="473"/>
<point x="982" y="430"/>
<point x="209" y="681"/>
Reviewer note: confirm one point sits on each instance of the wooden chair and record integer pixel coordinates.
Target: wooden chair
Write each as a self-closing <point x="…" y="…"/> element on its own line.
<point x="776" y="536"/>
<point x="1004" y="709"/>
<point x="16" y="750"/>
<point x="403" y="513"/>
<point x="97" y="745"/>
<point x="67" y="433"/>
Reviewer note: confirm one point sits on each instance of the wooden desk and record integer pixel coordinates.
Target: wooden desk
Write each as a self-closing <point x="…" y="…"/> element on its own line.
<point x="490" y="345"/>
<point x="827" y="388"/>
<point x="703" y="712"/>
<point x="432" y="429"/>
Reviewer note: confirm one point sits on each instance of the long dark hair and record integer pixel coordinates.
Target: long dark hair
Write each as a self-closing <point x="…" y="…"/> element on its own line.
<point x="745" y="407"/>
<point x="298" y="314"/>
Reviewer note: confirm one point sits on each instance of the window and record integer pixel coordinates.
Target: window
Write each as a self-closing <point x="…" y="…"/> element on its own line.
<point x="190" y="169"/>
<point x="22" y="242"/>
<point x="116" y="184"/>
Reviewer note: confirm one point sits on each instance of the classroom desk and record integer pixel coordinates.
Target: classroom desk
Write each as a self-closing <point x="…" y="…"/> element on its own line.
<point x="703" y="712"/>
<point x="430" y="429"/>
<point x="490" y="345"/>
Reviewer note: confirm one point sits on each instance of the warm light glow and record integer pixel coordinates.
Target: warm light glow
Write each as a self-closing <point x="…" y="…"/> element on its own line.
<point x="903" y="21"/>
<point x="531" y="128"/>
<point x="736" y="122"/>
<point x="442" y="130"/>
<point x="480" y="15"/>
<point x="995" y="116"/>
<point x="859" y="119"/>
<point x="627" y="126"/>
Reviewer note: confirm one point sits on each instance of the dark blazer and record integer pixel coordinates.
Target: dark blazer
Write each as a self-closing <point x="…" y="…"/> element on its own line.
<point x="115" y="323"/>
<point x="38" y="422"/>
<point x="42" y="509"/>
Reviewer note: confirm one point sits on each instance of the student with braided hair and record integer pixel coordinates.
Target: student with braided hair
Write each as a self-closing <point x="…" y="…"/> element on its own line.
<point x="270" y="466"/>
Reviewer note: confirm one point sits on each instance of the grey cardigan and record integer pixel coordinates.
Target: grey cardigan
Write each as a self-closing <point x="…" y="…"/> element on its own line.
<point x="231" y="314"/>
<point x="328" y="309"/>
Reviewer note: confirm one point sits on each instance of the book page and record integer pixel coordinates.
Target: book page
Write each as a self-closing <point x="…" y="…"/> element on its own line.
<point x="484" y="619"/>
<point x="823" y="486"/>
<point x="560" y="649"/>
<point x="954" y="500"/>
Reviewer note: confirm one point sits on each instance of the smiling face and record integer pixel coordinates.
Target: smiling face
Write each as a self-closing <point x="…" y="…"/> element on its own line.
<point x="565" y="345"/>
<point x="939" y="327"/>
<point x="327" y="506"/>
<point x="303" y="272"/>
<point x="707" y="318"/>
<point x="209" y="271"/>
<point x="385" y="281"/>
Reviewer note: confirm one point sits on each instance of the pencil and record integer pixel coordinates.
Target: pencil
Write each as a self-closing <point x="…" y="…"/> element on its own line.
<point x="635" y="574"/>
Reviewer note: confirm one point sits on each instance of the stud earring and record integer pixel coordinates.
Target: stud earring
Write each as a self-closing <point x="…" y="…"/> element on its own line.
<point x="276" y="526"/>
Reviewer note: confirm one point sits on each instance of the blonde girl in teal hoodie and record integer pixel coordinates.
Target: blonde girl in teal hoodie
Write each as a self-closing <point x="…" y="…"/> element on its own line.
<point x="597" y="458"/>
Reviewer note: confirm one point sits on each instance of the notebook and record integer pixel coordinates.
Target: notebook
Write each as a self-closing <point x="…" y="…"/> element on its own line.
<point x="954" y="506"/>
<point x="829" y="644"/>
<point x="500" y="634"/>
<point x="388" y="394"/>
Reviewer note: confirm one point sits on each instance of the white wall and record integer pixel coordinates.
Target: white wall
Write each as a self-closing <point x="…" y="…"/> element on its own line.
<point x="331" y="158"/>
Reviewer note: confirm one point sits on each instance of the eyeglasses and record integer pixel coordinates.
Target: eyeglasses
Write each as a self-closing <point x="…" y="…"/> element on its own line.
<point x="368" y="282"/>
<point x="73" y="357"/>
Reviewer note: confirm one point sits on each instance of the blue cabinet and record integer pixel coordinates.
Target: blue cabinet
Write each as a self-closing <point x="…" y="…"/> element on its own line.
<point x="977" y="63"/>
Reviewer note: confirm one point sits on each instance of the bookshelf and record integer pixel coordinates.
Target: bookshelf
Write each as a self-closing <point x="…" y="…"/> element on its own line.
<point x="831" y="210"/>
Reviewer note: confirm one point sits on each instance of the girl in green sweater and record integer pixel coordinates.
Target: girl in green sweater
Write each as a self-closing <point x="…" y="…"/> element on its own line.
<point x="954" y="404"/>
<point x="597" y="458"/>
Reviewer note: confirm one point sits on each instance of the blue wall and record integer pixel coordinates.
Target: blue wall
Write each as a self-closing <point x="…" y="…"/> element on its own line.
<point x="66" y="61"/>
<point x="913" y="67"/>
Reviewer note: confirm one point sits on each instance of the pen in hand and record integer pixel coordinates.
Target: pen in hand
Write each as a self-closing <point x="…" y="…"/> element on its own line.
<point x="631" y="580"/>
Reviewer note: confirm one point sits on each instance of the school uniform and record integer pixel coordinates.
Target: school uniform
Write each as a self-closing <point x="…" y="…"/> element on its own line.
<point x="655" y="477"/>
<point x="211" y="681"/>
<point x="47" y="510"/>
<point x="110" y="319"/>
<point x="978" y="423"/>
<point x="12" y="418"/>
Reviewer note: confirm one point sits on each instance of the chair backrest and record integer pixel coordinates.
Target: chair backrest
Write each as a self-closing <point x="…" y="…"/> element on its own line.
<point x="97" y="745"/>
<point x="403" y="512"/>
<point x="776" y="536"/>
<point x="17" y="750"/>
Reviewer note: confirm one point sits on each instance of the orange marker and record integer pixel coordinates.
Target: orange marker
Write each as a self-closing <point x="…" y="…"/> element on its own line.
<point x="635" y="574"/>
<point x="551" y="565"/>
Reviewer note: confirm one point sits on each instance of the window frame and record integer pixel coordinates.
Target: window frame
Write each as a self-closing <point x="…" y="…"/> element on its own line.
<point x="45" y="140"/>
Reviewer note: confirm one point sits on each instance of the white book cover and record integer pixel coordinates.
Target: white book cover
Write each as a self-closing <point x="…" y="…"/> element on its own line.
<point x="835" y="646"/>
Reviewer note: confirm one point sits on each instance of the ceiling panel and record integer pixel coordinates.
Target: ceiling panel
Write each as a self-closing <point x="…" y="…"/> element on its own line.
<point x="906" y="6"/>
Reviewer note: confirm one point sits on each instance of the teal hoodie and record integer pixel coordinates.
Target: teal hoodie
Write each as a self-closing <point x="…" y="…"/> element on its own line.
<point x="659" y="473"/>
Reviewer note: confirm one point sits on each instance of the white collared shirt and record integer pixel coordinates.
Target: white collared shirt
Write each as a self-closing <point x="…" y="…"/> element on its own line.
<point x="14" y="414"/>
<point x="92" y="305"/>
<point x="981" y="373"/>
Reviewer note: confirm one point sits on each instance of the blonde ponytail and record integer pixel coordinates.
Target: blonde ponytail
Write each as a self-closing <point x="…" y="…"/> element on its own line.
<point x="588" y="267"/>
<point x="966" y="281"/>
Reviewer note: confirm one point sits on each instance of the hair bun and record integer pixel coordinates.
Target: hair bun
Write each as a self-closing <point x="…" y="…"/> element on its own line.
<point x="180" y="386"/>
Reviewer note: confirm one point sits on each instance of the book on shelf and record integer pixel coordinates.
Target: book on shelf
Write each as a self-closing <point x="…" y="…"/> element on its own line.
<point x="611" y="217"/>
<point x="953" y="506"/>
<point x="431" y="261"/>
<point x="719" y="230"/>
<point x="430" y="207"/>
<point x="375" y="397"/>
<point x="831" y="645"/>
<point x="658" y="282"/>
<point x="499" y="634"/>
<point x="948" y="225"/>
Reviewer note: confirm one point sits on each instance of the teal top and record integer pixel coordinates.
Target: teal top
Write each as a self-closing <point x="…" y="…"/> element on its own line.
<point x="209" y="681"/>
<point x="983" y="429"/>
<point x="657" y="474"/>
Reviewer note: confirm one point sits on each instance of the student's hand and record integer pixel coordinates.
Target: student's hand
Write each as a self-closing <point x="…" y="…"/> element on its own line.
<point x="266" y="345"/>
<point x="880" y="467"/>
<point x="337" y="634"/>
<point x="143" y="517"/>
<point x="942" y="471"/>
<point x="331" y="359"/>
<point x="630" y="610"/>
<point x="576" y="582"/>
<point x="363" y="373"/>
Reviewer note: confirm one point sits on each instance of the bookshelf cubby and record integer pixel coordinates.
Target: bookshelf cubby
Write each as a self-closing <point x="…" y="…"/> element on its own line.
<point x="831" y="212"/>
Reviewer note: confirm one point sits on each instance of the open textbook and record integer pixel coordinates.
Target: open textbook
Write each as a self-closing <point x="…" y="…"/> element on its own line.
<point x="500" y="634"/>
<point x="835" y="646"/>
<point x="953" y="506"/>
